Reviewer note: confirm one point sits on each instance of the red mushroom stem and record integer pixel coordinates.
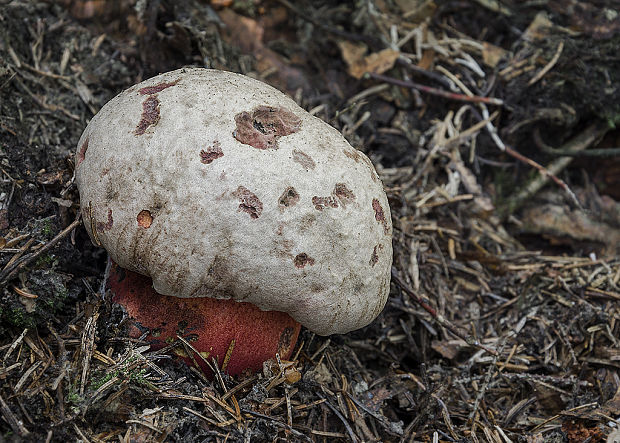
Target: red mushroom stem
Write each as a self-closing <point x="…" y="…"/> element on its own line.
<point x="238" y="335"/>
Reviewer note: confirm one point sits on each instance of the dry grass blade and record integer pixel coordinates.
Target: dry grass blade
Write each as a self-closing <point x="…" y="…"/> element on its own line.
<point x="16" y="425"/>
<point x="440" y="319"/>
<point x="8" y="273"/>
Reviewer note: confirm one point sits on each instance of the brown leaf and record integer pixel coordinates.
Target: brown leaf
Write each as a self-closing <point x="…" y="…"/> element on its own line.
<point x="359" y="64"/>
<point x="248" y="35"/>
<point x="491" y="54"/>
<point x="561" y="224"/>
<point x="352" y="52"/>
<point x="221" y="3"/>
<point x="427" y="60"/>
<point x="600" y="21"/>
<point x="548" y="398"/>
<point x="447" y="349"/>
<point x="577" y="432"/>
<point x="292" y="375"/>
<point x="539" y="28"/>
<point x="374" y="399"/>
<point x="416" y="11"/>
<point x="612" y="406"/>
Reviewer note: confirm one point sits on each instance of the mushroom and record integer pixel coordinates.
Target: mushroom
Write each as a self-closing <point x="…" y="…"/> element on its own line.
<point x="217" y="185"/>
<point x="238" y="334"/>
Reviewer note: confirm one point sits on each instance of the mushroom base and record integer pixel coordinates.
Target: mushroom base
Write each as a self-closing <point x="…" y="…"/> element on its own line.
<point x="238" y="335"/>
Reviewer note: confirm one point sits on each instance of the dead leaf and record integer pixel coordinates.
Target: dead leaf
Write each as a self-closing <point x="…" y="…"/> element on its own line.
<point x="221" y="3"/>
<point x="560" y="223"/>
<point x="447" y="349"/>
<point x="320" y="374"/>
<point x="358" y="64"/>
<point x="578" y="431"/>
<point x="539" y="28"/>
<point x="548" y="398"/>
<point x="601" y="21"/>
<point x="416" y="11"/>
<point x="427" y="60"/>
<point x="491" y="54"/>
<point x="248" y="34"/>
<point x="352" y="53"/>
<point x="374" y="399"/>
<point x="292" y="375"/>
<point x="612" y="406"/>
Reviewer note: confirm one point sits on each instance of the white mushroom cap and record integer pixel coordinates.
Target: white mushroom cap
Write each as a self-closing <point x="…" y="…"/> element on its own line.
<point x="215" y="184"/>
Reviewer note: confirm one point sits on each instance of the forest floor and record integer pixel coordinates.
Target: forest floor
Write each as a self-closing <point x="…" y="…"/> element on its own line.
<point x="493" y="128"/>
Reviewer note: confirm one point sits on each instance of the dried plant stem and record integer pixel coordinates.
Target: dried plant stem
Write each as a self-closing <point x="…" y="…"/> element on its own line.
<point x="435" y="91"/>
<point x="549" y="65"/>
<point x="438" y="317"/>
<point x="12" y="420"/>
<point x="8" y="273"/>
<point x="578" y="143"/>
<point x="605" y="152"/>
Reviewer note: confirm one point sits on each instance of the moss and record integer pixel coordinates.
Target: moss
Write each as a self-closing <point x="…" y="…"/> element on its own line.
<point x="17" y="317"/>
<point x="46" y="261"/>
<point x="134" y="375"/>
<point x="52" y="295"/>
<point x="57" y="301"/>
<point x="73" y="397"/>
<point x="46" y="227"/>
<point x="102" y="379"/>
<point x="138" y="377"/>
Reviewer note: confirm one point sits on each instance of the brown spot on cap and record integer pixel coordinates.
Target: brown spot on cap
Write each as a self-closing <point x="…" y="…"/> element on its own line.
<point x="371" y="168"/>
<point x="374" y="257"/>
<point x="82" y="152"/>
<point x="150" y="114"/>
<point x="145" y="219"/>
<point x="357" y="156"/>
<point x="343" y="193"/>
<point x="380" y="215"/>
<point x="249" y="202"/>
<point x="303" y="159"/>
<point x="302" y="260"/>
<point x="150" y="90"/>
<point x="101" y="227"/>
<point x="212" y="153"/>
<point x="353" y="154"/>
<point x="261" y="128"/>
<point x="321" y="203"/>
<point x="288" y="198"/>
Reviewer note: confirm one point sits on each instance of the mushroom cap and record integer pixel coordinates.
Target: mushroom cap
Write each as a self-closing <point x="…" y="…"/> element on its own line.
<point x="217" y="185"/>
